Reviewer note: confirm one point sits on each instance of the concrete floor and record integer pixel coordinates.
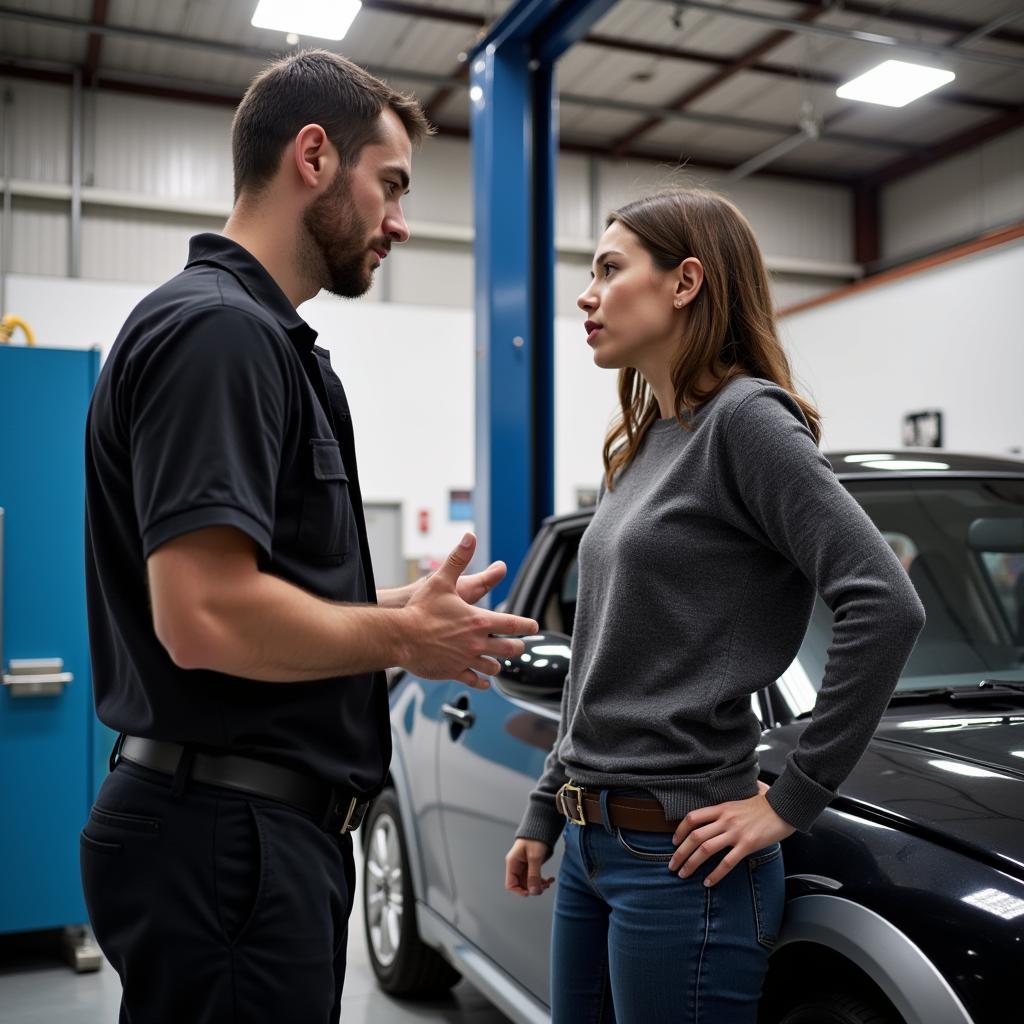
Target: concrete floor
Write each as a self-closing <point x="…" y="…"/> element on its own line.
<point x="37" y="988"/>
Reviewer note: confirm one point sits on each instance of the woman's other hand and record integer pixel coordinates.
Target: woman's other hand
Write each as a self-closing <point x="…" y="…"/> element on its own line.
<point x="745" y="825"/>
<point x="522" y="867"/>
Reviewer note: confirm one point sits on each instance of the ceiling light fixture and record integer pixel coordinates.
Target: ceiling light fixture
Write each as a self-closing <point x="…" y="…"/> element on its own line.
<point x="895" y="83"/>
<point x="323" y="19"/>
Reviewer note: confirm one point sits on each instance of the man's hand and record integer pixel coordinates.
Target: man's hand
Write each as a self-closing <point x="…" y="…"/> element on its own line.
<point x="522" y="867"/>
<point x="745" y="825"/>
<point x="451" y="639"/>
<point x="471" y="589"/>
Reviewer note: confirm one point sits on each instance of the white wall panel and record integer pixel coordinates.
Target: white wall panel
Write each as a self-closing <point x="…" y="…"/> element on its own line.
<point x="572" y="198"/>
<point x="792" y="219"/>
<point x="790" y="289"/>
<point x="918" y="343"/>
<point x="586" y="400"/>
<point x="427" y="275"/>
<point x="1002" y="163"/>
<point x="162" y="148"/>
<point x="441" y="180"/>
<point x="40" y="130"/>
<point x="956" y="199"/>
<point x="572" y="275"/>
<point x="408" y="372"/>
<point x="137" y="245"/>
<point x="39" y="238"/>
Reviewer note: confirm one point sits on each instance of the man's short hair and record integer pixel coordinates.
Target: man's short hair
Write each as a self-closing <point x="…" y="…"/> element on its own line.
<point x="313" y="87"/>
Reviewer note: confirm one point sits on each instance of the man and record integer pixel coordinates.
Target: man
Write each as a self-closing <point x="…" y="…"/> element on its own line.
<point x="236" y="643"/>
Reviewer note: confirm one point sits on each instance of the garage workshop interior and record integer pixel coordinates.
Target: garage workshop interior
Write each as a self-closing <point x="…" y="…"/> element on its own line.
<point x="701" y="317"/>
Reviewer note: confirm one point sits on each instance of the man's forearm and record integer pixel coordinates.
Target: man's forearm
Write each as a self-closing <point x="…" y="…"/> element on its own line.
<point x="395" y="597"/>
<point x="273" y="631"/>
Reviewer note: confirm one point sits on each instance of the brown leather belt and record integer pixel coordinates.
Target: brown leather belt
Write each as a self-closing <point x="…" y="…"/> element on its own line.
<point x="634" y="812"/>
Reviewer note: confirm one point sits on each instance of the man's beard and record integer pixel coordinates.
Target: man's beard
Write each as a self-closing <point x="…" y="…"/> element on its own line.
<point x="336" y="254"/>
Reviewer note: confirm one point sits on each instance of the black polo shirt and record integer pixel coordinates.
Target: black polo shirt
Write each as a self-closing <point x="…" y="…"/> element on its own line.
<point x="215" y="408"/>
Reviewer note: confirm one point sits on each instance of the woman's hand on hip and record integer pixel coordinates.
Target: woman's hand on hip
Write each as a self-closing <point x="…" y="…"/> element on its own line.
<point x="522" y="867"/>
<point x="745" y="825"/>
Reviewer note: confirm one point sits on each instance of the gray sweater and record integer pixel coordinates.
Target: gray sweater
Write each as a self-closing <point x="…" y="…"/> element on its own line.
<point x="697" y="576"/>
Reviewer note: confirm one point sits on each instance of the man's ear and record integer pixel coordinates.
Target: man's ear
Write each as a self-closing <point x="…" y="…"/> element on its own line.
<point x="314" y="157"/>
<point x="689" y="277"/>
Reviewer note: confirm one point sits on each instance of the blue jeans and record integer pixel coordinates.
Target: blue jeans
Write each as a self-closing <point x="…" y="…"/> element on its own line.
<point x="633" y="943"/>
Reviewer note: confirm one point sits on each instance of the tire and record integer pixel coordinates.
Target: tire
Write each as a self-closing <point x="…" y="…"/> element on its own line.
<point x="836" y="1008"/>
<point x="404" y="966"/>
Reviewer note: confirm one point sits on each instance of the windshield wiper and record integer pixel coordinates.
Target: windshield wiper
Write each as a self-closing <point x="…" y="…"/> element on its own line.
<point x="987" y="690"/>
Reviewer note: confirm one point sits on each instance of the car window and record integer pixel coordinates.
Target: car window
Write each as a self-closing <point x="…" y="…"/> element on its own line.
<point x="973" y="598"/>
<point x="1005" y="571"/>
<point x="558" y="602"/>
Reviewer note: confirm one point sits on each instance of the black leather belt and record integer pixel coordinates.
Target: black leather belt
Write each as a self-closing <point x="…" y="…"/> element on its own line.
<point x="257" y="778"/>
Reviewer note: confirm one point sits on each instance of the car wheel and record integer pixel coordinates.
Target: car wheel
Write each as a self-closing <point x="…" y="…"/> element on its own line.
<point x="404" y="966"/>
<point x="836" y="1008"/>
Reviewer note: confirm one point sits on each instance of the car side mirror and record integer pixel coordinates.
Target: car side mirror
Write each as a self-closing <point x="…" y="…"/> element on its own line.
<point x="541" y="669"/>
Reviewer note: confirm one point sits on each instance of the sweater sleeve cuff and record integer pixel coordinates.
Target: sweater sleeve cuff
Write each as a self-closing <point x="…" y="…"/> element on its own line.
<point x="797" y="798"/>
<point x="542" y="821"/>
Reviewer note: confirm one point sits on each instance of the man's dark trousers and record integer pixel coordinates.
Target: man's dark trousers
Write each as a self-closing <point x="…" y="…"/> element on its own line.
<point x="215" y="907"/>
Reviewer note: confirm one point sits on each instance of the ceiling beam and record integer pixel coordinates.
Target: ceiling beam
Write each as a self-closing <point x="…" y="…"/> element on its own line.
<point x="64" y="76"/>
<point x="441" y="96"/>
<point x="702" y="88"/>
<point x="948" y="147"/>
<point x="94" y="45"/>
<point x="851" y="34"/>
<point x="390" y="6"/>
<point x="727" y="121"/>
<point x="915" y="19"/>
<point x="642" y="109"/>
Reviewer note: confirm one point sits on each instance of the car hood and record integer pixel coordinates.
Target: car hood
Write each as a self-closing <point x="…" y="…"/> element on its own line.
<point x="958" y="774"/>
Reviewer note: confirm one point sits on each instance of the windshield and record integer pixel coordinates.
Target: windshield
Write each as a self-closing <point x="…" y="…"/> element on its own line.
<point x="962" y="544"/>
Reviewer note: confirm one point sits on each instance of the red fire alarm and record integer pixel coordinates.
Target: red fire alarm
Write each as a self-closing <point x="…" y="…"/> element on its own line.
<point x="424" y="520"/>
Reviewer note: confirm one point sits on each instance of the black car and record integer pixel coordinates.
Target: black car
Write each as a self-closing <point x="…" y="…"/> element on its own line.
<point x="904" y="904"/>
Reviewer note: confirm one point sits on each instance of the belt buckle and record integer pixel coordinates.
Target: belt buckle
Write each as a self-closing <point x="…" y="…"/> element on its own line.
<point x="353" y="816"/>
<point x="577" y="791"/>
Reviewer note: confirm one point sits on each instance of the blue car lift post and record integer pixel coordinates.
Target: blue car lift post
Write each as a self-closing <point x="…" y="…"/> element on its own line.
<point x="514" y="129"/>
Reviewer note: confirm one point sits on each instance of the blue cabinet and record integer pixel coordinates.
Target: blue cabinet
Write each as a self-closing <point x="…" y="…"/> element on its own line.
<point x="52" y="750"/>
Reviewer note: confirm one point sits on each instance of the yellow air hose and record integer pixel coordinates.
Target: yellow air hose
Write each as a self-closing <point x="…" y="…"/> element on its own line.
<point x="9" y="324"/>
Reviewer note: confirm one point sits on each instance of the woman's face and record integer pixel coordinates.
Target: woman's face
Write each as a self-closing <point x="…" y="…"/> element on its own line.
<point x="632" y="307"/>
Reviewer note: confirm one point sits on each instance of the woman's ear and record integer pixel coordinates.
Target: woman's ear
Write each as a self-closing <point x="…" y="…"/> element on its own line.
<point x="689" y="276"/>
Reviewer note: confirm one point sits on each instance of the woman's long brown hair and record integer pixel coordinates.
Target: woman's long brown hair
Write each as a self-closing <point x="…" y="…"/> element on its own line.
<point x="731" y="323"/>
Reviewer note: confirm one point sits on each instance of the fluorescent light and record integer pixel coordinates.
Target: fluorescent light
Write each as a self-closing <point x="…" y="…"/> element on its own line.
<point x="867" y="458"/>
<point x="1002" y="904"/>
<point x="324" y="19"/>
<point x="894" y="83"/>
<point x="901" y="465"/>
<point x="970" y="770"/>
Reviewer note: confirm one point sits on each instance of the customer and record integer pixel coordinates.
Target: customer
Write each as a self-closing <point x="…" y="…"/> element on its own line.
<point x="718" y="521"/>
<point x="237" y="638"/>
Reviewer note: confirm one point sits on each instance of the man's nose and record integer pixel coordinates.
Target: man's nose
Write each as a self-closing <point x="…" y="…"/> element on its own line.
<point x="395" y="227"/>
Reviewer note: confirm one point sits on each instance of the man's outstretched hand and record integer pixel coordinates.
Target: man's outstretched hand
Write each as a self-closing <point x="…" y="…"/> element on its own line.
<point x="450" y="639"/>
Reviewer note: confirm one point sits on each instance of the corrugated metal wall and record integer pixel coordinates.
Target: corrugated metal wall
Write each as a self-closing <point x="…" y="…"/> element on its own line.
<point x="957" y="199"/>
<point x="140" y="150"/>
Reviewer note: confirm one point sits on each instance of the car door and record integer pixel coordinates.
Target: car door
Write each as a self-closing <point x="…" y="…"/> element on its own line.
<point x="491" y="755"/>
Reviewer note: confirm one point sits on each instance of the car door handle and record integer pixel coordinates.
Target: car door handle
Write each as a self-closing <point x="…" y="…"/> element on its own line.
<point x="458" y="716"/>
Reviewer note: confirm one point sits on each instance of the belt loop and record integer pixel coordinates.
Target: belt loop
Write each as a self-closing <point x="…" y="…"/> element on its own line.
<point x="182" y="772"/>
<point x="115" y="751"/>
<point x="605" y="816"/>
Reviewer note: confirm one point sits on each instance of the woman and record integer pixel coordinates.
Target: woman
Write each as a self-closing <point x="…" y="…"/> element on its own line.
<point x="718" y="520"/>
